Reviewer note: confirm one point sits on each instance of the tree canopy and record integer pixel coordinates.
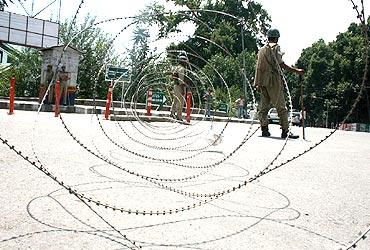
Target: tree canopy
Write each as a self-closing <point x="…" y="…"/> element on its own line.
<point x="95" y="46"/>
<point x="26" y="68"/>
<point x="225" y="40"/>
<point x="334" y="74"/>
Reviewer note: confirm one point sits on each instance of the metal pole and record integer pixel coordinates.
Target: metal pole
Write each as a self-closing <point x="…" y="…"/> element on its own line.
<point x="244" y="74"/>
<point x="327" y="114"/>
<point x="302" y="108"/>
<point x="11" y="96"/>
<point x="123" y="87"/>
<point x="188" y="106"/>
<point x="149" y="102"/>
<point x="109" y="100"/>
<point x="57" y="99"/>
<point x="60" y="7"/>
<point x="367" y="89"/>
<point x="32" y="7"/>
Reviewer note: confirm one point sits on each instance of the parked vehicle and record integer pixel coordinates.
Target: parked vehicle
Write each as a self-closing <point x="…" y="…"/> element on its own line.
<point x="296" y="117"/>
<point x="252" y="111"/>
<point x="274" y="117"/>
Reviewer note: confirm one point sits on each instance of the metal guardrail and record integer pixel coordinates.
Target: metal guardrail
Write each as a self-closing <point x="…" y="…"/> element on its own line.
<point x="116" y="104"/>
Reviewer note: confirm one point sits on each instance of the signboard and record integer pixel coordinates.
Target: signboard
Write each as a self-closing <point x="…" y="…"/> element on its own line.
<point x="158" y="98"/>
<point x="27" y="31"/>
<point x="363" y="127"/>
<point x="114" y="73"/>
<point x="223" y="107"/>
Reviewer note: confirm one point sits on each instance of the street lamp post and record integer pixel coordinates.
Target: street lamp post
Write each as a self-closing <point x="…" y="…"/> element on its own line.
<point x="302" y="108"/>
<point x="244" y="71"/>
<point x="327" y="114"/>
<point x="245" y="5"/>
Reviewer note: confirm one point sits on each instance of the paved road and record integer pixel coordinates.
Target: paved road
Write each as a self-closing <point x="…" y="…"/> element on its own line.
<point x="320" y="200"/>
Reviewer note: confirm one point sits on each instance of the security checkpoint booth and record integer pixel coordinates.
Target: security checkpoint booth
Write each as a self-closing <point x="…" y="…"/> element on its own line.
<point x="31" y="32"/>
<point x="57" y="57"/>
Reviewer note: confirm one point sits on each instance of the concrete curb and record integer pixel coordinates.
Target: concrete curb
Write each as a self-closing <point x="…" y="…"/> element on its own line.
<point x="117" y="114"/>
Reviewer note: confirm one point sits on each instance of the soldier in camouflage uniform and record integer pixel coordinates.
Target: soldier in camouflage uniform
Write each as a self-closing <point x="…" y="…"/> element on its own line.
<point x="269" y="82"/>
<point x="179" y="88"/>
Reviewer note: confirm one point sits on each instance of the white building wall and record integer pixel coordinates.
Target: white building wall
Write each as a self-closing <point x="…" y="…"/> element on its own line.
<point x="70" y="59"/>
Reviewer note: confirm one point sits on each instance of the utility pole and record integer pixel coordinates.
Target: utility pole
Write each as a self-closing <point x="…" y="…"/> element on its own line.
<point x="302" y="107"/>
<point x="60" y="7"/>
<point x="327" y="114"/>
<point x="367" y="90"/>
<point x="244" y="74"/>
<point x="32" y="7"/>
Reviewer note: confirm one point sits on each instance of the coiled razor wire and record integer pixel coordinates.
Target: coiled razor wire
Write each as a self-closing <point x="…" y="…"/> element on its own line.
<point x="157" y="181"/>
<point x="134" y="246"/>
<point x="355" y="242"/>
<point x="182" y="158"/>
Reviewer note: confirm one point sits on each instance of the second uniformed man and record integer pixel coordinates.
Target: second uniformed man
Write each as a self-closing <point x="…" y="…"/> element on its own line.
<point x="179" y="88"/>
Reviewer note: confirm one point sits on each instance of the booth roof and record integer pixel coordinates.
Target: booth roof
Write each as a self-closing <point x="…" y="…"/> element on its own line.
<point x="60" y="46"/>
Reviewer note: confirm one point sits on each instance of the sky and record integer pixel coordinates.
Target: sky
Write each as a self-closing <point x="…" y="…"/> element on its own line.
<point x="300" y="22"/>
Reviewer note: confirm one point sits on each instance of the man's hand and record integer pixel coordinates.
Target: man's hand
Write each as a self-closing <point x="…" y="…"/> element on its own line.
<point x="291" y="69"/>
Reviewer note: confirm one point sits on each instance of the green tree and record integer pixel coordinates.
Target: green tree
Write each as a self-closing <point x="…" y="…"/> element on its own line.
<point x="26" y="68"/>
<point x="139" y="59"/>
<point x="333" y="78"/>
<point x="95" y="46"/>
<point x="220" y="28"/>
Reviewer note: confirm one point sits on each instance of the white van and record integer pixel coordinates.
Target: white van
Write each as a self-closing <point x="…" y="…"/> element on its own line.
<point x="274" y="117"/>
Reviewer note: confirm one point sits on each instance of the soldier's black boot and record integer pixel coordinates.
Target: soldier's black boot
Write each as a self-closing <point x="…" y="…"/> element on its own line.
<point x="285" y="134"/>
<point x="265" y="131"/>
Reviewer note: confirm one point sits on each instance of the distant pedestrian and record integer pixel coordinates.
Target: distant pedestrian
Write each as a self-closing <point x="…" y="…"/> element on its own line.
<point x="179" y="78"/>
<point x="208" y="99"/>
<point x="240" y="103"/>
<point x="269" y="81"/>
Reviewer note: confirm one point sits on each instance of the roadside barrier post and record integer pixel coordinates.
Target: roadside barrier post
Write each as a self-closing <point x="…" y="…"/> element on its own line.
<point x="149" y="102"/>
<point x="109" y="101"/>
<point x="42" y="91"/>
<point x="57" y="99"/>
<point x="188" y="106"/>
<point x="11" y="96"/>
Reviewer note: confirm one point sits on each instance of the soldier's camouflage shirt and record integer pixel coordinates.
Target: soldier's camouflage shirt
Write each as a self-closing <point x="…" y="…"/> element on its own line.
<point x="268" y="65"/>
